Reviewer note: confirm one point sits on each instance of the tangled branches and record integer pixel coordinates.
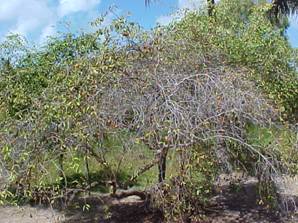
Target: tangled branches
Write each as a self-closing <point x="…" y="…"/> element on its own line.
<point x="174" y="97"/>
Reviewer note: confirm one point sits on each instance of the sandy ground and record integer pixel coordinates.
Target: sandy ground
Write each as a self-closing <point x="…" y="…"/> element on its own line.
<point x="132" y="210"/>
<point x="27" y="214"/>
<point x="231" y="207"/>
<point x="102" y="210"/>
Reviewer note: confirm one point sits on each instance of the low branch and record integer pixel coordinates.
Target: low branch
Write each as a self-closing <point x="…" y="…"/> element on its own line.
<point x="141" y="194"/>
<point x="143" y="170"/>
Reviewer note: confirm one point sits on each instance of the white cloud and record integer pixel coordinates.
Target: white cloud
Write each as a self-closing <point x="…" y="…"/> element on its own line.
<point x="33" y="16"/>
<point x="182" y="5"/>
<point x="46" y="32"/>
<point x="191" y="4"/>
<point x="71" y="6"/>
<point x="164" y="19"/>
<point x="26" y="16"/>
<point x="23" y="26"/>
<point x="7" y="9"/>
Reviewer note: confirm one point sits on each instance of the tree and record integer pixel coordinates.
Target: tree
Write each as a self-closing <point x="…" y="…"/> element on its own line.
<point x="284" y="7"/>
<point x="210" y="3"/>
<point x="195" y="94"/>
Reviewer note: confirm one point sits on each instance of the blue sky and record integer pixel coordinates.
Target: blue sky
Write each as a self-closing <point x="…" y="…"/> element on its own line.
<point x="36" y="19"/>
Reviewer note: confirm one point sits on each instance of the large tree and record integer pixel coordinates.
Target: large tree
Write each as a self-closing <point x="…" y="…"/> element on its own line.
<point x="211" y="4"/>
<point x="278" y="6"/>
<point x="284" y="6"/>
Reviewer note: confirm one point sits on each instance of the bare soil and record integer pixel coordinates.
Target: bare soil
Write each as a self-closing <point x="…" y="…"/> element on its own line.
<point x="230" y="206"/>
<point x="28" y="214"/>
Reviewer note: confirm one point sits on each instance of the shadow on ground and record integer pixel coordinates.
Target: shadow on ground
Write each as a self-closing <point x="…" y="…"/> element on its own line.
<point x="106" y="209"/>
<point x="229" y="206"/>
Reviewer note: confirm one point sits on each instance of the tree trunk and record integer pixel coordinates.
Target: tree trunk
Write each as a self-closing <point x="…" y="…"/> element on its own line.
<point x="162" y="166"/>
<point x="211" y="4"/>
<point x="61" y="171"/>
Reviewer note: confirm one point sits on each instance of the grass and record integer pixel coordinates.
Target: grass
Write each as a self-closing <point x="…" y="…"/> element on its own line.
<point x="125" y="159"/>
<point x="281" y="141"/>
<point x="130" y="161"/>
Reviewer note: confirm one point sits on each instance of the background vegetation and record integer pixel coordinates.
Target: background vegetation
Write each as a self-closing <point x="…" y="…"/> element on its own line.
<point x="165" y="111"/>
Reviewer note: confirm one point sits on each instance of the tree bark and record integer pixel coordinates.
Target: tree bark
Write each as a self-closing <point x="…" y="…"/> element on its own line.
<point x="162" y="166"/>
<point x="211" y="4"/>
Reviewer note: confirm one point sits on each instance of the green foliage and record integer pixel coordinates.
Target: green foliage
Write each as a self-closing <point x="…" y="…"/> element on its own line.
<point x="281" y="140"/>
<point x="56" y="132"/>
<point x="46" y="96"/>
<point x="242" y="33"/>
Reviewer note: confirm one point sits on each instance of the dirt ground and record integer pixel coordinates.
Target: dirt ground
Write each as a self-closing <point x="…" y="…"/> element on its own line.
<point x="27" y="214"/>
<point x="132" y="210"/>
<point x="102" y="209"/>
<point x="230" y="207"/>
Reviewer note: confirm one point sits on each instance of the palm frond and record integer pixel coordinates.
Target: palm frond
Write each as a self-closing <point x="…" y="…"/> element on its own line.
<point x="284" y="7"/>
<point x="147" y="2"/>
